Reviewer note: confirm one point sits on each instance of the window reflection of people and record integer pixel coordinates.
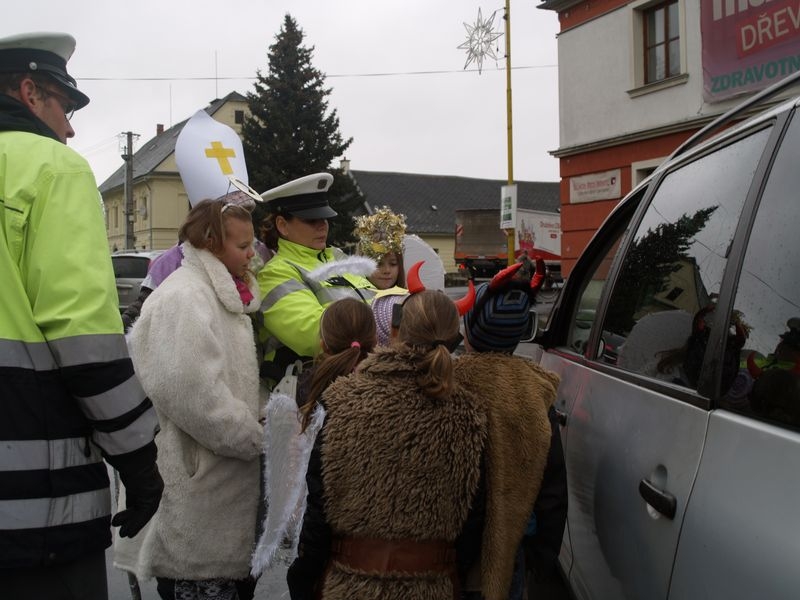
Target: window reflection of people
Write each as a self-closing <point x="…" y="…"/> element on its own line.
<point x="653" y="346"/>
<point x="775" y="392"/>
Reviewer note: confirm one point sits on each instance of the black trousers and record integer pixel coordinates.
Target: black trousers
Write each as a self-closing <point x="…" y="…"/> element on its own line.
<point x="83" y="579"/>
<point x="246" y="588"/>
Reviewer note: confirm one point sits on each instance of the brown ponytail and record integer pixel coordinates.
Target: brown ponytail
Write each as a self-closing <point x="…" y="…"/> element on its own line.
<point x="429" y="323"/>
<point x="347" y="330"/>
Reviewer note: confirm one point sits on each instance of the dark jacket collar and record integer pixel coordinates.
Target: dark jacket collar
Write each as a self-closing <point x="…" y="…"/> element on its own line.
<point x="14" y="116"/>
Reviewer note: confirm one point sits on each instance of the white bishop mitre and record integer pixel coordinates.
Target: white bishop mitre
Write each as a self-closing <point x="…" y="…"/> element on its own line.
<point x="208" y="153"/>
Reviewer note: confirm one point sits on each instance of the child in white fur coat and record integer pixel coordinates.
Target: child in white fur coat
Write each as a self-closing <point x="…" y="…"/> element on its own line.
<point x="194" y="351"/>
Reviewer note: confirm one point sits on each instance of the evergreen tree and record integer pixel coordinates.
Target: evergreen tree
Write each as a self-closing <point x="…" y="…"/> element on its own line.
<point x="291" y="132"/>
<point x="651" y="259"/>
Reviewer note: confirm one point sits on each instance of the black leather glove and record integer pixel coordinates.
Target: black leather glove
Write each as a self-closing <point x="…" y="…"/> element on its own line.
<point x="143" y="487"/>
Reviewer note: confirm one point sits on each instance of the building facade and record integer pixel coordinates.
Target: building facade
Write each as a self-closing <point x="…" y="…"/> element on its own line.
<point x="159" y="200"/>
<point x="636" y="78"/>
<point x="160" y="203"/>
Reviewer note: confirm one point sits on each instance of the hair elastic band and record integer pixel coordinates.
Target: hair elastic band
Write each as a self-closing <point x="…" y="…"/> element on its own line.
<point x="355" y="345"/>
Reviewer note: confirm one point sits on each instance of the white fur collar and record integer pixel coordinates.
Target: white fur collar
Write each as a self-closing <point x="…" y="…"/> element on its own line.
<point x="353" y="265"/>
<point x="221" y="280"/>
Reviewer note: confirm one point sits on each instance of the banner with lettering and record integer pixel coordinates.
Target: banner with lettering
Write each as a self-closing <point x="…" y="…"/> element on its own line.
<point x="747" y="45"/>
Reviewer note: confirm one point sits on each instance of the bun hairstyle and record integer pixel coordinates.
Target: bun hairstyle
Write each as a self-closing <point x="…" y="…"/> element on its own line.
<point x="348" y="334"/>
<point x="267" y="229"/>
<point x="204" y="226"/>
<point x="428" y="326"/>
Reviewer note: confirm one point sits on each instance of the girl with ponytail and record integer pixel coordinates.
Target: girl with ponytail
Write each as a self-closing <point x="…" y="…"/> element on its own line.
<point x="394" y="476"/>
<point x="347" y="335"/>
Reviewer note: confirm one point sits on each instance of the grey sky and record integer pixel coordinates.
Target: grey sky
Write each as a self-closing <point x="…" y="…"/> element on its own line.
<point x="448" y="122"/>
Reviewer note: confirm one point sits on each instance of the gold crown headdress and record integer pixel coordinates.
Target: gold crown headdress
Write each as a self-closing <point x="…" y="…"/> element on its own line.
<point x="380" y="233"/>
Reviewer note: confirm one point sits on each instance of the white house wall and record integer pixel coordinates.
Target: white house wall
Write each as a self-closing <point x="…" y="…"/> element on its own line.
<point x="594" y="99"/>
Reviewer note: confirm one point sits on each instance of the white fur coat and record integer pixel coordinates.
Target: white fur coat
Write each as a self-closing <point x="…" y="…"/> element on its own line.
<point x="194" y="352"/>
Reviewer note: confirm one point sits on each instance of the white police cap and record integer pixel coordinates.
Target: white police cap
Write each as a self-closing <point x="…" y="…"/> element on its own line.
<point x="305" y="197"/>
<point x="42" y="52"/>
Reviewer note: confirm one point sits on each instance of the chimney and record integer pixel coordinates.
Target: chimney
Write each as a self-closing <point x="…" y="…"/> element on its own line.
<point x="344" y="165"/>
<point x="159" y="128"/>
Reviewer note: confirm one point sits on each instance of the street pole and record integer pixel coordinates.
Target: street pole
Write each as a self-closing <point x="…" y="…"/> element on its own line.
<point x="510" y="135"/>
<point x="128" y="213"/>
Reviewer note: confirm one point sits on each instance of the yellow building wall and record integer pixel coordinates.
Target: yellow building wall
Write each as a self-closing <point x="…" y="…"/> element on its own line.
<point x="445" y="248"/>
<point x="160" y="203"/>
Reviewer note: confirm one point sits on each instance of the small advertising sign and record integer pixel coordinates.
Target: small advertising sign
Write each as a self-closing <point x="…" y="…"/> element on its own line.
<point x="508" y="207"/>
<point x="595" y="186"/>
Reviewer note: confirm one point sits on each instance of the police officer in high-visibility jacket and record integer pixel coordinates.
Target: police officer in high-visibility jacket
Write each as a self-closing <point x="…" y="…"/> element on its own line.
<point x="68" y="393"/>
<point x="295" y="285"/>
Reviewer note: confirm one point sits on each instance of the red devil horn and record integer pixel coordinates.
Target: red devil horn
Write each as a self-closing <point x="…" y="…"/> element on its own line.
<point x="699" y="322"/>
<point x="464" y="304"/>
<point x="503" y="276"/>
<point x="538" y="279"/>
<point x="754" y="370"/>
<point x="413" y="281"/>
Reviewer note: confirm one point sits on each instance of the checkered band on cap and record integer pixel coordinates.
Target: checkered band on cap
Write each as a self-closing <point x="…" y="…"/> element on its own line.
<point x="498" y="322"/>
<point x="382" y="309"/>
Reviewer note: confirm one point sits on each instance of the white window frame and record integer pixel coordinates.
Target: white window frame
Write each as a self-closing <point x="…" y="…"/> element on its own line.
<point x="642" y="168"/>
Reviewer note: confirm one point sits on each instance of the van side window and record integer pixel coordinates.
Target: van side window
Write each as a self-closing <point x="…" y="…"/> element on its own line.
<point x="767" y="301"/>
<point x="584" y="316"/>
<point x="663" y="300"/>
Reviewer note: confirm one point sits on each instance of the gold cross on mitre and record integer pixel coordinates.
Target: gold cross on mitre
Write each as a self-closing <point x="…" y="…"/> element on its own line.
<point x="222" y="154"/>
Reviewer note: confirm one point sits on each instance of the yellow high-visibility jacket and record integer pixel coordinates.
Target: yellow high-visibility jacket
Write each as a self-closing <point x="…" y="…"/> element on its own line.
<point x="65" y="374"/>
<point x="292" y="303"/>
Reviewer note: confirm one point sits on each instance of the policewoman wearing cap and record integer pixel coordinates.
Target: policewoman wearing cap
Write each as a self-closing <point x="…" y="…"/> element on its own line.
<point x="293" y="299"/>
<point x="67" y="377"/>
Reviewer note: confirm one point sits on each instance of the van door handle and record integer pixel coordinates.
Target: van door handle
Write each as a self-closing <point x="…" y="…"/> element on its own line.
<point x="662" y="501"/>
<point x="561" y="416"/>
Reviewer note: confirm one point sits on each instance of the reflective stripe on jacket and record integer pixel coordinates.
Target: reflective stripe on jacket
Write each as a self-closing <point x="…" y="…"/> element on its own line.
<point x="292" y="303"/>
<point x="65" y="373"/>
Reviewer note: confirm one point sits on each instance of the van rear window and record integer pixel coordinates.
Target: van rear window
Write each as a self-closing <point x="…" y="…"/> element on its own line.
<point x="130" y="267"/>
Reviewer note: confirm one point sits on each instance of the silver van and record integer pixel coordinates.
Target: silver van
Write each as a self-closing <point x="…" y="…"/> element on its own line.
<point x="677" y="339"/>
<point x="130" y="268"/>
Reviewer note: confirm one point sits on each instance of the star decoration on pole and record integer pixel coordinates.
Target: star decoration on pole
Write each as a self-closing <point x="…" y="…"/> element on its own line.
<point x="480" y="40"/>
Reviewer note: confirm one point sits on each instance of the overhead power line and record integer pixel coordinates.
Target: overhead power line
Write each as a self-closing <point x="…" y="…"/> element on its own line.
<point x="327" y="76"/>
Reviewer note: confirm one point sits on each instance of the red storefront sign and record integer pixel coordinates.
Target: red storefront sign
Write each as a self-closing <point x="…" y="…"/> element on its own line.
<point x="748" y="44"/>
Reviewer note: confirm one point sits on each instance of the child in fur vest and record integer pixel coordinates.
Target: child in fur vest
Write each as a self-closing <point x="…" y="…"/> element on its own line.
<point x="394" y="471"/>
<point x="524" y="463"/>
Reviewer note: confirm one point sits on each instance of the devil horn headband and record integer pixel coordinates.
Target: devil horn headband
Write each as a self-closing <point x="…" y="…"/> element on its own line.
<point x="415" y="286"/>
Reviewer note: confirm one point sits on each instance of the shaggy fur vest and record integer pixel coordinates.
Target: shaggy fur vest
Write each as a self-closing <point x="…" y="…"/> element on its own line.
<point x="516" y="394"/>
<point x="397" y="464"/>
